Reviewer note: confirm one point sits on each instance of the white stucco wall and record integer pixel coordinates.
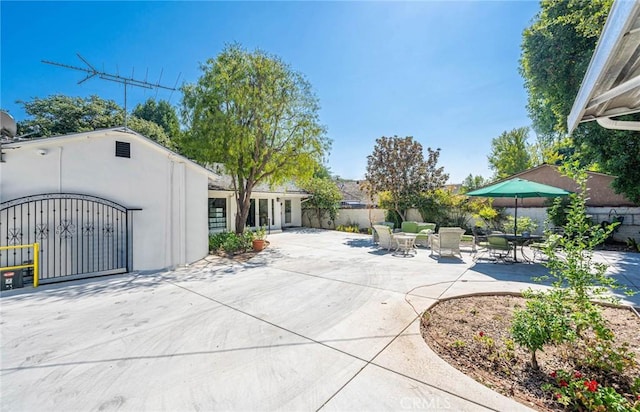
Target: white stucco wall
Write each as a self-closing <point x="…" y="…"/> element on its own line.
<point x="363" y="217"/>
<point x="296" y="212"/>
<point x="171" y="228"/>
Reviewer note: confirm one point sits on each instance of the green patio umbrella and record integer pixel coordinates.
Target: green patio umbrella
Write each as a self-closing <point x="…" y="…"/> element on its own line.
<point x="518" y="189"/>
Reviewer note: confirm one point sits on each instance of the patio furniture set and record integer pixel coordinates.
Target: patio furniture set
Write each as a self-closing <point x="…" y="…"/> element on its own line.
<point x="447" y="241"/>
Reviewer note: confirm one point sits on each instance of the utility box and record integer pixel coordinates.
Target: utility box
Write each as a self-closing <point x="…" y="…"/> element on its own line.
<point x="11" y="279"/>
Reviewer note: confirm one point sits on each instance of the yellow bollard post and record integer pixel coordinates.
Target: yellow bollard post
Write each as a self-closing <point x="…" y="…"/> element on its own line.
<point x="36" y="264"/>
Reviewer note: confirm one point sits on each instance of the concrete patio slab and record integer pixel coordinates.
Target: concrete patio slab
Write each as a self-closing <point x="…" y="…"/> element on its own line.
<point x="319" y="320"/>
<point x="378" y="389"/>
<point x="410" y="357"/>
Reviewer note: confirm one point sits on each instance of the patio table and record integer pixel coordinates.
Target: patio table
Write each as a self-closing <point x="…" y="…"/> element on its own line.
<point x="522" y="241"/>
<point x="406" y="242"/>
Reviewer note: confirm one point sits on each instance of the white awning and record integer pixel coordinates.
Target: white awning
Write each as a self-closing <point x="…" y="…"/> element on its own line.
<point x="611" y="86"/>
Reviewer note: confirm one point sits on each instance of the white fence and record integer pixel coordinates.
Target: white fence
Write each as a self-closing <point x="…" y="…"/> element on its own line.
<point x="364" y="218"/>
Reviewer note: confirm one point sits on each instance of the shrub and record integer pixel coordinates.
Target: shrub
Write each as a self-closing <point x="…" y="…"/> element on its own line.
<point x="544" y="320"/>
<point x="525" y="224"/>
<point x="633" y="244"/>
<point x="393" y="216"/>
<point x="230" y="242"/>
<point x="354" y="228"/>
<point x="577" y="392"/>
<point x="557" y="211"/>
<point x="492" y="218"/>
<point x="216" y="240"/>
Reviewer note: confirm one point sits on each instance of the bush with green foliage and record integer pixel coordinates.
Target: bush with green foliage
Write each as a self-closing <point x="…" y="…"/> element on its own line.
<point x="446" y="208"/>
<point x="557" y="211"/>
<point x="324" y="199"/>
<point x="545" y="320"/>
<point x="492" y="218"/>
<point x="576" y="391"/>
<point x="633" y="244"/>
<point x="525" y="224"/>
<point x="231" y="243"/>
<point x="393" y="216"/>
<point x="351" y="228"/>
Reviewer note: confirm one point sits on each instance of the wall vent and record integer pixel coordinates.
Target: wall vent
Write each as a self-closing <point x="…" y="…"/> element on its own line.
<point x="123" y="149"/>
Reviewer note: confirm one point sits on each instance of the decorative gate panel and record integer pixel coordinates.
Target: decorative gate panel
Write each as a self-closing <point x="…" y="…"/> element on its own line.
<point x="79" y="235"/>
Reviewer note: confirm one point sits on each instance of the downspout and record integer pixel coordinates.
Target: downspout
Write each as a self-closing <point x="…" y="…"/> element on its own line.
<point x="183" y="215"/>
<point x="60" y="169"/>
<point x="168" y="260"/>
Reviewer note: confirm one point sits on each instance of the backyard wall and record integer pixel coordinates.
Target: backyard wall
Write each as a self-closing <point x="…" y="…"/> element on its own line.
<point x="363" y="217"/>
<point x="630" y="227"/>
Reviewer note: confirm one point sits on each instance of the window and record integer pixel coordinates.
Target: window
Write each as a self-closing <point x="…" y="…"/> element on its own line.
<point x="287" y="211"/>
<point x="123" y="149"/>
<point x="263" y="211"/>
<point x="217" y="215"/>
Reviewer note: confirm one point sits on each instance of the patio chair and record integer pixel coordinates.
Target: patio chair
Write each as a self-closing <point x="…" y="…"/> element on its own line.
<point x="538" y="248"/>
<point x="385" y="237"/>
<point x="498" y="247"/>
<point x="469" y="240"/>
<point x="447" y="240"/>
<point x="375" y="234"/>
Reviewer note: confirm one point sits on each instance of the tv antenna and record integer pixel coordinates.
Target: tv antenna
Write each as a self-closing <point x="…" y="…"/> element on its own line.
<point x="127" y="81"/>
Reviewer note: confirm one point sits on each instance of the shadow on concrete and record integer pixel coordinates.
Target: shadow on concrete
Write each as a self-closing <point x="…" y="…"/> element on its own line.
<point x="114" y="285"/>
<point x="211" y="268"/>
<point x="303" y="230"/>
<point x="623" y="267"/>
<point x="514" y="272"/>
<point x="360" y="243"/>
<point x="446" y="260"/>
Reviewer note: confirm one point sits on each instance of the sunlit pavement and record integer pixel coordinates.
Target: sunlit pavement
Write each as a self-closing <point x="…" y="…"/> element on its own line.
<point x="321" y="320"/>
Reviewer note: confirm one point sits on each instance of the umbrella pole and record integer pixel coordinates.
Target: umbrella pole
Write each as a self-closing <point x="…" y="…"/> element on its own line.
<point x="515" y="231"/>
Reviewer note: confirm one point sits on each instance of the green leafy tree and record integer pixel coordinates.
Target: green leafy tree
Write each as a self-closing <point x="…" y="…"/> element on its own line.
<point x="152" y="131"/>
<point x="160" y="113"/>
<point x="250" y="112"/>
<point x="397" y="166"/>
<point x="616" y="152"/>
<point x="446" y="208"/>
<point x="472" y="182"/>
<point x="58" y="115"/>
<point x="556" y="51"/>
<point x="510" y="153"/>
<point x="324" y="199"/>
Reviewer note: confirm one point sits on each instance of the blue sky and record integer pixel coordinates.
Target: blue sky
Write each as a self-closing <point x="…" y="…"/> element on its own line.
<point x="444" y="72"/>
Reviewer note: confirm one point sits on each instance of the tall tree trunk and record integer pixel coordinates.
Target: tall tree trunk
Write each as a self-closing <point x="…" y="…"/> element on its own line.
<point x="244" y="202"/>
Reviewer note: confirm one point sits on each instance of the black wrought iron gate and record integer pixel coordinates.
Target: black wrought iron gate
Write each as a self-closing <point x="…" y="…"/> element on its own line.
<point x="79" y="235"/>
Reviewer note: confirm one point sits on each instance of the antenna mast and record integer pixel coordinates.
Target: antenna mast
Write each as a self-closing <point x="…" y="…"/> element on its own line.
<point x="126" y="81"/>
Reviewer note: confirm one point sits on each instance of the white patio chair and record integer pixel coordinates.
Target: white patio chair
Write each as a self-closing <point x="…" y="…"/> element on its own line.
<point x="385" y="237"/>
<point x="447" y="241"/>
